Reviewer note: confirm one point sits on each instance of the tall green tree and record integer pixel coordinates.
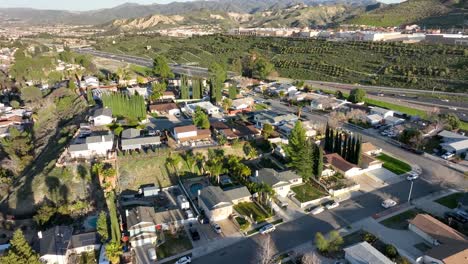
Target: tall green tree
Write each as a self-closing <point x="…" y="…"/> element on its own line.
<point x="357" y="95"/>
<point x="337" y="143"/>
<point x="196" y="88"/>
<point x="299" y="151"/>
<point x="200" y="118"/>
<point x="20" y="252"/>
<point x="358" y="152"/>
<point x="161" y="67"/>
<point x="102" y="226"/>
<point x="232" y="92"/>
<point x="263" y="68"/>
<point x="114" y="251"/>
<point x="217" y="77"/>
<point x="158" y="90"/>
<point x="317" y="160"/>
<point x="321" y="243"/>
<point x="31" y="94"/>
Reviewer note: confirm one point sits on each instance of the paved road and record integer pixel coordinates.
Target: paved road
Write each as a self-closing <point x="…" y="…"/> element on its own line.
<point x="302" y="230"/>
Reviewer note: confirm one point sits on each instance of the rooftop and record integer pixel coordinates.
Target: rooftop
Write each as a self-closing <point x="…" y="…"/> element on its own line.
<point x="380" y="110"/>
<point x="338" y="162"/>
<point x="438" y="230"/>
<point x="85" y="239"/>
<point x="214" y="197"/>
<point x="183" y="129"/>
<point x="365" y="253"/>
<point x="458" y="145"/>
<point x="131" y="133"/>
<point x="55" y="240"/>
<point x="140" y="214"/>
<point x="103" y="112"/>
<point x="237" y="193"/>
<point x="272" y="177"/>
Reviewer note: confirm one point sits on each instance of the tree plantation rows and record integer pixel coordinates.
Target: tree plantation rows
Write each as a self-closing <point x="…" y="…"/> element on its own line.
<point x="132" y="107"/>
<point x="346" y="61"/>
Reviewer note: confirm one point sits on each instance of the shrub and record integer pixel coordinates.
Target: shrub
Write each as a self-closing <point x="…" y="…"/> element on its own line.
<point x="369" y="238"/>
<point x="391" y="251"/>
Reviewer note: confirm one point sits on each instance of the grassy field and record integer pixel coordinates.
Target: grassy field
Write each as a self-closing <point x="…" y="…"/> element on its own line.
<point x="251" y="209"/>
<point x="349" y="62"/>
<point x="394" y="165"/>
<point x="174" y="244"/>
<point x="400" y="221"/>
<point x="450" y="201"/>
<point x="307" y="192"/>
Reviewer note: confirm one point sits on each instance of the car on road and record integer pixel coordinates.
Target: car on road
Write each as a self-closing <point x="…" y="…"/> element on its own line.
<point x="267" y="229"/>
<point x="412" y="176"/>
<point x="317" y="210"/>
<point x="216" y="228"/>
<point x="194" y="234"/>
<point x="152" y="253"/>
<point x="332" y="205"/>
<point x="448" y="155"/>
<point x="388" y="203"/>
<point x="184" y="260"/>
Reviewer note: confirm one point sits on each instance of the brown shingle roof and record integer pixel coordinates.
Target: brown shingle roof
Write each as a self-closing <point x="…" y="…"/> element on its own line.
<point x="163" y="107"/>
<point x="183" y="129"/>
<point x="436" y="228"/>
<point x="367" y="146"/>
<point x="338" y="162"/>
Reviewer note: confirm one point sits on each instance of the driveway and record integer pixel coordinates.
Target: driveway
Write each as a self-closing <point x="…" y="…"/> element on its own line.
<point x="368" y="183"/>
<point x="385" y="176"/>
<point x="141" y="254"/>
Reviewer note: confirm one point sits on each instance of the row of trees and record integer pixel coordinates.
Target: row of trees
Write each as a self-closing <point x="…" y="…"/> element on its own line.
<point x="200" y="118"/>
<point x="132" y="107"/>
<point x="347" y="146"/>
<point x="306" y="158"/>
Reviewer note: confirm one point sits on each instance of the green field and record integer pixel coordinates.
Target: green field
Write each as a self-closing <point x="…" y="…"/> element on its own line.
<point x="394" y="165"/>
<point x="406" y="65"/>
<point x="400" y="221"/>
<point x="252" y="209"/>
<point x="307" y="192"/>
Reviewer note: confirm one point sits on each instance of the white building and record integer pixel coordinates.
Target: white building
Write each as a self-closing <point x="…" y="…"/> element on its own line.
<point x="280" y="182"/>
<point x="208" y="107"/>
<point x="91" y="81"/>
<point x="365" y="253"/>
<point x="98" y="145"/>
<point x="381" y="112"/>
<point x="102" y="117"/>
<point x="374" y="119"/>
<point x="215" y="203"/>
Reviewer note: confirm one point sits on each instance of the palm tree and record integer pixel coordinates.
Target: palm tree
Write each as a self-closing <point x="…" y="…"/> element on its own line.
<point x="174" y="161"/>
<point x="190" y="161"/>
<point x="113" y="251"/>
<point x="200" y="161"/>
<point x="215" y="169"/>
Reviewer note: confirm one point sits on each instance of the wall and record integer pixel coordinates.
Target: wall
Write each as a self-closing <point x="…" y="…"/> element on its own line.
<point x="313" y="202"/>
<point x="186" y="134"/>
<point x="339" y="192"/>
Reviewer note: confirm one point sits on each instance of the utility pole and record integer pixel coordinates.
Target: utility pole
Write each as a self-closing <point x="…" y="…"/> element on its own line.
<point x="411" y="190"/>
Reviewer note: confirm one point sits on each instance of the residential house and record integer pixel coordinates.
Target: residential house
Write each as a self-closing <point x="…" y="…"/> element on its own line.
<point x="102" y="117"/>
<point x="323" y="102"/>
<point x="393" y="120"/>
<point x="450" y="137"/>
<point x="341" y="165"/>
<point x="369" y="149"/>
<point x="273" y="118"/>
<point x="215" y="203"/>
<point x="286" y="128"/>
<point x="53" y="244"/>
<point x="236" y="130"/>
<point x="369" y="163"/>
<point x="141" y="226"/>
<point x="168" y="95"/>
<point x="91" y="81"/>
<point x="365" y="253"/>
<point x="448" y="245"/>
<point x="83" y="243"/>
<point x="190" y="133"/>
<point x="280" y="182"/>
<point x="97" y="145"/>
<point x="381" y="112"/>
<point x="165" y="108"/>
<point x="143" y="91"/>
<point x="241" y="105"/>
<point x="238" y="195"/>
<point x="208" y="107"/>
<point x="458" y="147"/>
<point x="132" y="139"/>
<point x="374" y="119"/>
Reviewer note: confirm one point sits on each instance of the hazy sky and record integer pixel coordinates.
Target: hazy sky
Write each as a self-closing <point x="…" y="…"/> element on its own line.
<point x="88" y="4"/>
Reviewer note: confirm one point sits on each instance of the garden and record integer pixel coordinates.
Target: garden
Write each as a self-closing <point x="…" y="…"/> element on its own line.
<point x="450" y="201"/>
<point x="307" y="192"/>
<point x="394" y="165"/>
<point x="400" y="221"/>
<point x="253" y="210"/>
<point x="174" y="244"/>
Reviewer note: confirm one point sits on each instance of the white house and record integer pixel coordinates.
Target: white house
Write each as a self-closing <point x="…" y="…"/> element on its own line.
<point x="102" y="117"/>
<point x="381" y="112"/>
<point x="215" y="203"/>
<point x="165" y="108"/>
<point x="280" y="182"/>
<point x="98" y="145"/>
<point x="83" y="243"/>
<point x="208" y="107"/>
<point x="273" y="118"/>
<point x="364" y="252"/>
<point x="392" y="120"/>
<point x="53" y="244"/>
<point x="242" y="103"/>
<point x="132" y="139"/>
<point x="143" y="91"/>
<point x="341" y="165"/>
<point x="238" y="195"/>
<point x="141" y="225"/>
<point x="374" y="119"/>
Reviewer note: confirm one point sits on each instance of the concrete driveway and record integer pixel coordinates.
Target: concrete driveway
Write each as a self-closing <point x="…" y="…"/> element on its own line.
<point x="368" y="183"/>
<point x="385" y="176"/>
<point x="141" y="254"/>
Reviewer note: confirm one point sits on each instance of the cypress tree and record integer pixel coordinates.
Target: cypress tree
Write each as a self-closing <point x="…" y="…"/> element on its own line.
<point x="337" y="144"/>
<point x="327" y="138"/>
<point x="196" y="91"/>
<point x="319" y="164"/>
<point x="358" y="151"/>
<point x="232" y="92"/>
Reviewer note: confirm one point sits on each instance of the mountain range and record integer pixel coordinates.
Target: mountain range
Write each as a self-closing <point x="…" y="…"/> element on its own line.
<point x="132" y="10"/>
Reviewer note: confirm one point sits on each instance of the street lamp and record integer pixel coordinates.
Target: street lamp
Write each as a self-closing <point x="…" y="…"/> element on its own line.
<point x="411" y="190"/>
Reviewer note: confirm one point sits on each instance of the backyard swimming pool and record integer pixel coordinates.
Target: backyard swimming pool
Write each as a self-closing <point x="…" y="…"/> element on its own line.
<point x="194" y="188"/>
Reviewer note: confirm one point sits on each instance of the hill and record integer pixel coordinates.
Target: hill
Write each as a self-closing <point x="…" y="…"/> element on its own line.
<point x="424" y="12"/>
<point x="131" y="10"/>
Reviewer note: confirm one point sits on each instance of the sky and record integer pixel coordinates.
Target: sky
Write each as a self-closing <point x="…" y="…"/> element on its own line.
<point x="81" y="5"/>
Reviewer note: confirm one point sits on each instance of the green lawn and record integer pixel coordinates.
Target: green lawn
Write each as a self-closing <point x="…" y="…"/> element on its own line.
<point x="174" y="244"/>
<point x="251" y="209"/>
<point x="259" y="107"/>
<point x="394" y="165"/>
<point x="450" y="201"/>
<point x="242" y="223"/>
<point x="307" y="192"/>
<point x="400" y="221"/>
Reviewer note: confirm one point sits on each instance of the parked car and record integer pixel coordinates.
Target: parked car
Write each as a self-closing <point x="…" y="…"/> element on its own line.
<point x="216" y="228"/>
<point x="388" y="203"/>
<point x="184" y="260"/>
<point x="267" y="229"/>
<point x="412" y="176"/>
<point x="317" y="210"/>
<point x="194" y="234"/>
<point x="332" y="205"/>
<point x="456" y="217"/>
<point x="152" y="253"/>
<point x="448" y="155"/>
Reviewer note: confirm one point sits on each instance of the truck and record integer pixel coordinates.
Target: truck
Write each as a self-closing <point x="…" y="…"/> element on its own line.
<point x="183" y="202"/>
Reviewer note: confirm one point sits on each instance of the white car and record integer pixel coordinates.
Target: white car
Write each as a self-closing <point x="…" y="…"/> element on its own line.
<point x="184" y="260"/>
<point x="332" y="205"/>
<point x="388" y="203"/>
<point x="412" y="176"/>
<point x="216" y="228"/>
<point x="448" y="155"/>
<point x="317" y="210"/>
<point x="267" y="229"/>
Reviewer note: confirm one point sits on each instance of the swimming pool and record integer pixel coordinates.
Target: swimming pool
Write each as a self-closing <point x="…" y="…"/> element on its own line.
<point x="194" y="188"/>
<point x="91" y="222"/>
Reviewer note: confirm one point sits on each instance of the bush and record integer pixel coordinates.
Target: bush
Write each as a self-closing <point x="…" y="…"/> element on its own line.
<point x="391" y="251"/>
<point x="369" y="238"/>
<point x="321" y="243"/>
